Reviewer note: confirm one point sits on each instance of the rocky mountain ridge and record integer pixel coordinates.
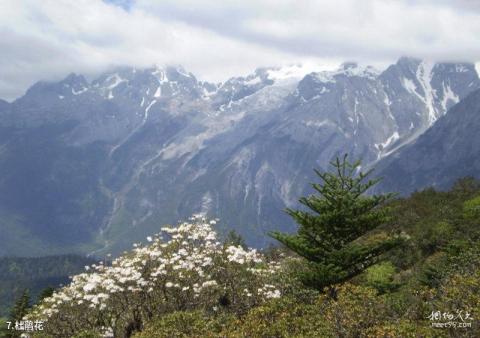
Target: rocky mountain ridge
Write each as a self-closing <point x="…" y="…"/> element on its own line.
<point x="97" y="165"/>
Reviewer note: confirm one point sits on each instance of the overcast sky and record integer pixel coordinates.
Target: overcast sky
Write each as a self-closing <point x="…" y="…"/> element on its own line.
<point x="216" y="39"/>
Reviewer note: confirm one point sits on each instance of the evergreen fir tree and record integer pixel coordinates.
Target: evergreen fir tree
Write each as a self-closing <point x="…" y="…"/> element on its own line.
<point x="21" y="306"/>
<point x="333" y="238"/>
<point x="234" y="238"/>
<point x="45" y="293"/>
<point x="19" y="310"/>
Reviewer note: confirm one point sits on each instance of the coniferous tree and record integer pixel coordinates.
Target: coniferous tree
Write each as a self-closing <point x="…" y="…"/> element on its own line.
<point x="19" y="310"/>
<point x="21" y="306"/>
<point x="234" y="238"/>
<point x="332" y="238"/>
<point x="45" y="293"/>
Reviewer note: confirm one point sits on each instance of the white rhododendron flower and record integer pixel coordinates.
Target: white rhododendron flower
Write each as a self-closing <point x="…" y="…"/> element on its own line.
<point x="188" y="270"/>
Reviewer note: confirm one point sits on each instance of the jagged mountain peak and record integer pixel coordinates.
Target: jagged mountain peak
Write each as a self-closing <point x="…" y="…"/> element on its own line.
<point x="352" y="68"/>
<point x="347" y="69"/>
<point x="152" y="145"/>
<point x="413" y="63"/>
<point x="74" y="79"/>
<point x="408" y="62"/>
<point x="348" y="65"/>
<point x="150" y="83"/>
<point x="72" y="84"/>
<point x="449" y="150"/>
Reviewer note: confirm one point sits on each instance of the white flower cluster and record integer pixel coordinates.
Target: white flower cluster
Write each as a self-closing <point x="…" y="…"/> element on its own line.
<point x="190" y="269"/>
<point x="269" y="291"/>
<point x="242" y="256"/>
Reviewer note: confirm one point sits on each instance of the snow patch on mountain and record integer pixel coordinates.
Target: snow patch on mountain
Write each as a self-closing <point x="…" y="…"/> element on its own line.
<point x="410" y="86"/>
<point x="349" y="69"/>
<point x="207" y="203"/>
<point x="318" y="124"/>
<point x="292" y="72"/>
<point x="158" y="92"/>
<point x="424" y="76"/>
<point x="286" y="193"/>
<point x="241" y="159"/>
<point x="111" y="83"/>
<point x="83" y="90"/>
<point x="192" y="144"/>
<point x="448" y="95"/>
<point x="114" y="81"/>
<point x="260" y="186"/>
<point x="381" y="147"/>
<point x="253" y="81"/>
<point x="147" y="110"/>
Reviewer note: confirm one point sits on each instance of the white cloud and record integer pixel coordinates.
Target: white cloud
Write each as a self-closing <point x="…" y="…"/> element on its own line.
<point x="367" y="29"/>
<point x="218" y="39"/>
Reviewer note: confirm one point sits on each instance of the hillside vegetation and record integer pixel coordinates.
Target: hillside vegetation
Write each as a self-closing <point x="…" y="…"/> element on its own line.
<point x="35" y="274"/>
<point x="186" y="283"/>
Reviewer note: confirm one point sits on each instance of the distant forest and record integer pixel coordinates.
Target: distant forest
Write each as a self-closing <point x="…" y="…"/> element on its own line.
<point x="35" y="274"/>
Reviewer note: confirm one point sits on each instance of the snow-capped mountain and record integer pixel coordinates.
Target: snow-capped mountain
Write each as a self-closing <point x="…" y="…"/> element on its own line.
<point x="99" y="164"/>
<point x="444" y="153"/>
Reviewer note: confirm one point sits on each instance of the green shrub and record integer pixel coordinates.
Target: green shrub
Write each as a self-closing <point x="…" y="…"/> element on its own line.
<point x="405" y="329"/>
<point x="471" y="208"/>
<point x="284" y="317"/>
<point x="381" y="277"/>
<point x="433" y="270"/>
<point x="186" y="324"/>
<point x="87" y="334"/>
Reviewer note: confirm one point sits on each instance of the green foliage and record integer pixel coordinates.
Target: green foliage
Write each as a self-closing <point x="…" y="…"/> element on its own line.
<point x="437" y="270"/>
<point x="187" y="324"/>
<point x="404" y="329"/>
<point x="21" y="306"/>
<point x="471" y="208"/>
<point x="433" y="270"/>
<point x="3" y="327"/>
<point x="433" y="236"/>
<point x="333" y="238"/>
<point x="47" y="292"/>
<point x="286" y="317"/>
<point x="381" y="277"/>
<point x="459" y="290"/>
<point x="358" y="312"/>
<point x="235" y="239"/>
<point x="19" y="310"/>
<point x="88" y="334"/>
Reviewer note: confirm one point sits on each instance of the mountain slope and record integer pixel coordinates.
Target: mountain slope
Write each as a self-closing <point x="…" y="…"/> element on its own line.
<point x="90" y="166"/>
<point x="445" y="152"/>
<point x="248" y="172"/>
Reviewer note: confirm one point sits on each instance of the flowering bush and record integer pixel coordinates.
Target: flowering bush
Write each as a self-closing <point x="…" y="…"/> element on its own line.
<point x="190" y="270"/>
